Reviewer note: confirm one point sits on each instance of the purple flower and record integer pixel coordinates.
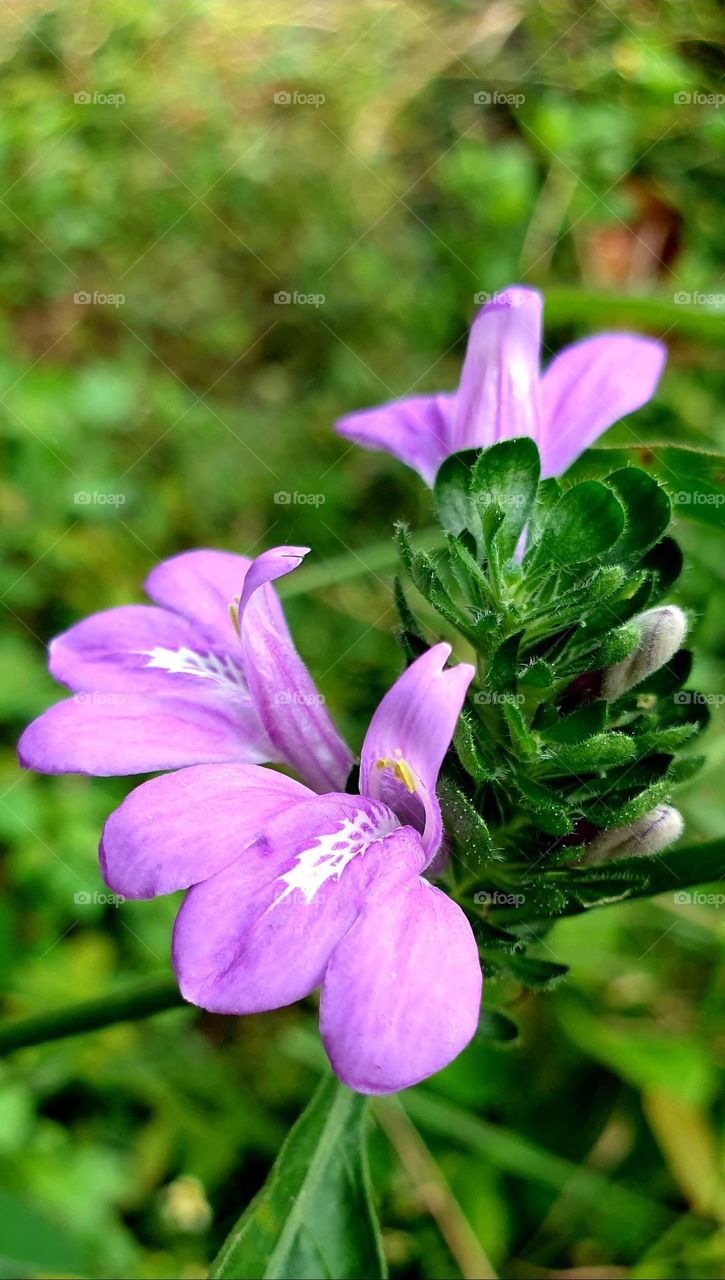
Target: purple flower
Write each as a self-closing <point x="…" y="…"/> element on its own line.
<point x="501" y="394"/>
<point x="189" y="680"/>
<point x="293" y="891"/>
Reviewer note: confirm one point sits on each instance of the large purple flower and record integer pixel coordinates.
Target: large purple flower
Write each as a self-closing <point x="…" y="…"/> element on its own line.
<point x="293" y="891"/>
<point x="188" y="680"/>
<point x="585" y="389"/>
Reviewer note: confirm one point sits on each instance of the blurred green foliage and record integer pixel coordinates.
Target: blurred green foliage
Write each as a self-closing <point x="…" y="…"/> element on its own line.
<point x="196" y="399"/>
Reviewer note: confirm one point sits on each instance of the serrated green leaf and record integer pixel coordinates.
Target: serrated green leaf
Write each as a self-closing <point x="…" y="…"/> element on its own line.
<point x="314" y="1215"/>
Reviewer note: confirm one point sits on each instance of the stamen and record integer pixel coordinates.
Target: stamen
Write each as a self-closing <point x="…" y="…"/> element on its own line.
<point x="234" y="615"/>
<point x="400" y="769"/>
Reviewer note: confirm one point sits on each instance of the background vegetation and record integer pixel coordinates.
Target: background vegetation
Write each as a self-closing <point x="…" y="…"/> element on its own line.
<point x="178" y="413"/>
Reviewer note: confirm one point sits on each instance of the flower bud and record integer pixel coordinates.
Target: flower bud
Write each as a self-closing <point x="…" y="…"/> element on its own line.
<point x="646" y="835"/>
<point x="662" y="631"/>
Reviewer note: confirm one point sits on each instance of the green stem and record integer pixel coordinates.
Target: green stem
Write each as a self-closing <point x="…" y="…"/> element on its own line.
<point x="139" y="1001"/>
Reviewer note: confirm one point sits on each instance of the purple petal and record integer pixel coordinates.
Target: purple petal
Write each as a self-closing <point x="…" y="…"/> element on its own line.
<point x="402" y="990"/>
<point x="289" y="705"/>
<point x="114" y="733"/>
<point x="201" y="585"/>
<point x="140" y="649"/>
<point x="408" y="737"/>
<point x="260" y="933"/>
<point x="591" y="385"/>
<point x="179" y="829"/>
<point x="415" y="429"/>
<point x="497" y="397"/>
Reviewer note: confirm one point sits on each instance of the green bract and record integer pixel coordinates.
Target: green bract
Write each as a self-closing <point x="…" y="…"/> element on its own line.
<point x="546" y="582"/>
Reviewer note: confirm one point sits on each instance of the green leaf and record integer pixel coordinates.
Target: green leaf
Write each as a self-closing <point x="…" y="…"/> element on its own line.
<point x="580" y="724"/>
<point x="314" y="1215"/>
<point x="553" y="817"/>
<point x="681" y="867"/>
<point x="32" y="1243"/>
<point x="513" y="1154"/>
<point x="501" y="674"/>
<point x="425" y="576"/>
<point x="601" y="751"/>
<point x="522" y="740"/>
<point x="538" y="675"/>
<point x="647" y="512"/>
<point x="665" y="562"/>
<point x="586" y="521"/>
<point x="506" y="475"/>
<point x="647" y="1056"/>
<point x="480" y="768"/>
<point x="535" y="973"/>
<point x="496" y="1027"/>
<point x="694" y="477"/>
<point x="457" y="510"/>
<point x="465" y="823"/>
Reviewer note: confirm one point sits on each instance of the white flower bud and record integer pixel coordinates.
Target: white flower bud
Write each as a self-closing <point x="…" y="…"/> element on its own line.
<point x="662" y="631"/>
<point x="646" y="835"/>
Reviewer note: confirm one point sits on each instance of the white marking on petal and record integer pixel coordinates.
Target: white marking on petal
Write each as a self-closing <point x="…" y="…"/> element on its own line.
<point x="333" y="850"/>
<point x="220" y="669"/>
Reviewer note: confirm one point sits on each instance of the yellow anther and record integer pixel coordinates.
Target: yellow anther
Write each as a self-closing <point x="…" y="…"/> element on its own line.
<point x="234" y="614"/>
<point x="401" y="770"/>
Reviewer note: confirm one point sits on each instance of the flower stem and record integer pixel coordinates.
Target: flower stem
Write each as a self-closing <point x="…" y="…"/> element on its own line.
<point x="138" y="1001"/>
